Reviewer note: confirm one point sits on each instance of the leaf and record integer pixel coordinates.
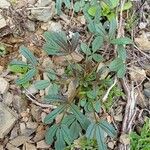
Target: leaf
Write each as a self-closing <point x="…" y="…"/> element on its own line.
<point x="121" y="72"/>
<point x="42" y="84"/>
<point x="77" y="6"/>
<point x="91" y="94"/>
<point x="67" y="3"/>
<point x="51" y="74"/>
<point x="75" y="41"/>
<point x="85" y="49"/>
<point x="112" y="28"/>
<point x="52" y="115"/>
<point x="122" y="41"/>
<point x="50" y="133"/>
<point x="27" y="77"/>
<point x="100" y="30"/>
<point x="108" y="128"/>
<point x="79" y="116"/>
<point x="91" y="27"/>
<point x="54" y="98"/>
<point x="60" y="143"/>
<point x="18" y="66"/>
<point x="75" y="130"/>
<point x="122" y="52"/>
<point x="97" y="106"/>
<point x="97" y="57"/>
<point x="83" y="102"/>
<point x="68" y="120"/>
<point x="100" y="138"/>
<point x="97" y="43"/>
<point x="53" y="89"/>
<point x="90" y="132"/>
<point x="58" y="6"/>
<point x="93" y="9"/>
<point x="66" y="134"/>
<point x="28" y="55"/>
<point x="127" y="6"/>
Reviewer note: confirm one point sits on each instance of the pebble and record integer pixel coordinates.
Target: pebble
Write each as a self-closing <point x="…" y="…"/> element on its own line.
<point x="4" y="86"/>
<point x="147" y="92"/>
<point x="30" y="25"/>
<point x="7" y="119"/>
<point x="4" y="4"/>
<point x="29" y="146"/>
<point x="36" y="112"/>
<point x="42" y="144"/>
<point x="54" y="26"/>
<point x="8" y="98"/>
<point x="2" y="22"/>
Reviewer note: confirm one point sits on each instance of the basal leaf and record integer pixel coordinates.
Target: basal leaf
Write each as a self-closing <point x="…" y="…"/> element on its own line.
<point x="58" y="6"/>
<point x="68" y="120"/>
<point x="42" y="84"/>
<point x="50" y="133"/>
<point x="51" y="116"/>
<point x="27" y="77"/>
<point x="100" y="30"/>
<point x="122" y="41"/>
<point x="53" y="89"/>
<point x="54" y="98"/>
<point x="108" y="128"/>
<point x="79" y="116"/>
<point x="90" y="132"/>
<point x="85" y="49"/>
<point x="97" y="57"/>
<point x="60" y="142"/>
<point x="92" y="11"/>
<point x="100" y="138"/>
<point x="28" y="55"/>
<point x="112" y="27"/>
<point x="97" y="43"/>
<point x="121" y="72"/>
<point x="51" y="74"/>
<point x="97" y="106"/>
<point x="67" y="3"/>
<point x="66" y="134"/>
<point x="75" y="129"/>
<point x="122" y="52"/>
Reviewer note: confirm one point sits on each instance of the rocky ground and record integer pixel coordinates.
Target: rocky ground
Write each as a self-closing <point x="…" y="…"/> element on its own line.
<point x="23" y="22"/>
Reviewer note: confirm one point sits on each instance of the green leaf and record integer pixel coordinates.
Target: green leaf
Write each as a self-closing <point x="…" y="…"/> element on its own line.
<point x="75" y="41"/>
<point x="51" y="74"/>
<point x="52" y="115"/>
<point x="77" y="6"/>
<point x="60" y="143"/>
<point x="97" y="57"/>
<point x="28" y="55"/>
<point x="122" y="41"/>
<point x="66" y="134"/>
<point x="75" y="130"/>
<point x="121" y="72"/>
<point x="82" y="102"/>
<point x="18" y="66"/>
<point x="122" y="52"/>
<point x="68" y="120"/>
<point x="100" y="138"/>
<point x="85" y="49"/>
<point x="53" y="89"/>
<point x="97" y="43"/>
<point x="91" y="27"/>
<point x="93" y="10"/>
<point x="97" y="106"/>
<point x="67" y="3"/>
<point x="91" y="94"/>
<point x="79" y="116"/>
<point x="90" y="132"/>
<point x="27" y="77"/>
<point x="42" y="84"/>
<point x="108" y="128"/>
<point x="127" y="6"/>
<point x="100" y="30"/>
<point x="58" y="6"/>
<point x="50" y="133"/>
<point x="112" y="28"/>
<point x="54" y="98"/>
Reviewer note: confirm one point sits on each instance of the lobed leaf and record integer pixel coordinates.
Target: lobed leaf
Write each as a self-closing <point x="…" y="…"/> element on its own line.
<point x="122" y="41"/>
<point x="42" y="84"/>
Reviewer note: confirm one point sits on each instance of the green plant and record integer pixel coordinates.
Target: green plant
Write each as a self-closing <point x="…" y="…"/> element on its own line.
<point x="2" y="49"/>
<point x="141" y="141"/>
<point x="83" y="95"/>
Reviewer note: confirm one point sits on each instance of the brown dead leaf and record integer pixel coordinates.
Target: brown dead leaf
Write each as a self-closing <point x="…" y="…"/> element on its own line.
<point x="143" y="42"/>
<point x="137" y="74"/>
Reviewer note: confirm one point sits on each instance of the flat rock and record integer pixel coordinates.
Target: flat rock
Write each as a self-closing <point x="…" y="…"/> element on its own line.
<point x="4" y="86"/>
<point x="20" y="140"/>
<point x="4" y="4"/>
<point x="8" y="98"/>
<point x="2" y="22"/>
<point x="7" y="119"/>
<point x="54" y="26"/>
<point x="43" y="14"/>
<point x="11" y="147"/>
<point x="29" y="146"/>
<point x="42" y="145"/>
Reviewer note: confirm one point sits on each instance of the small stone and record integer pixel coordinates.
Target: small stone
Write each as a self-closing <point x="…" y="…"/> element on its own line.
<point x="32" y="90"/>
<point x="42" y="144"/>
<point x="31" y="125"/>
<point x="11" y="147"/>
<point x="19" y="104"/>
<point x="30" y="146"/>
<point x="20" y="140"/>
<point x="4" y="86"/>
<point x="7" y="119"/>
<point x="4" y="4"/>
<point x="30" y="25"/>
<point x="147" y="92"/>
<point x="124" y="138"/>
<point x="40" y="133"/>
<point x="36" y="112"/>
<point x="44" y="14"/>
<point x="147" y="85"/>
<point x="118" y="117"/>
<point x="8" y="98"/>
<point x="1" y="147"/>
<point x="1" y="69"/>
<point x="44" y="26"/>
<point x="111" y="145"/>
<point x="47" y="63"/>
<point x="2" y="22"/>
<point x="22" y="127"/>
<point x="82" y="19"/>
<point x="43" y="115"/>
<point x="14" y="132"/>
<point x="54" y="26"/>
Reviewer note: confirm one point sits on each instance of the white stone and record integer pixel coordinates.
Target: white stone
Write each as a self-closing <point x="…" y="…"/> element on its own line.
<point x="4" y="4"/>
<point x="4" y="86"/>
<point x="54" y="26"/>
<point x="7" y="120"/>
<point x="8" y="98"/>
<point x="2" y="21"/>
<point x="42" y="144"/>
